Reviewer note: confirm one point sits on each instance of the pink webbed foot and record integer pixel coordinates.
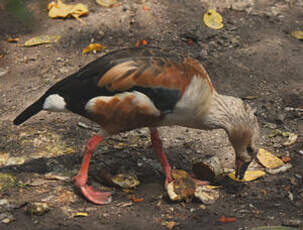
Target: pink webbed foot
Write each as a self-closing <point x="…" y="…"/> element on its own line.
<point x="80" y="180"/>
<point x="93" y="195"/>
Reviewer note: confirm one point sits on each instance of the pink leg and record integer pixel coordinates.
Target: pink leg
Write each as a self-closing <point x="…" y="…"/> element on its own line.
<point x="157" y="145"/>
<point x="80" y="180"/>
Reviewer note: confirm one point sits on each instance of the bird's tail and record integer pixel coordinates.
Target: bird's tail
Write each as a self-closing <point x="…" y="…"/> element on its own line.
<point x="30" y="111"/>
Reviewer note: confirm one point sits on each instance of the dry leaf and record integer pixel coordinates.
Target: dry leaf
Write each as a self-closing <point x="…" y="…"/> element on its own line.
<point x="1" y="55"/>
<point x="92" y="47"/>
<point x="224" y="219"/>
<point x="213" y="19"/>
<point x="292" y="138"/>
<point x="250" y="97"/>
<point x="61" y="10"/>
<point x="13" y="40"/>
<point x="125" y="180"/>
<point x="214" y="186"/>
<point x="269" y="160"/>
<point x="43" y="39"/>
<point x="106" y="3"/>
<point x="281" y="169"/>
<point x="80" y="214"/>
<point x="135" y="199"/>
<point x="298" y="34"/>
<point x="169" y="224"/>
<point x="207" y="195"/>
<point x="190" y="42"/>
<point x="285" y="159"/>
<point x="51" y="4"/>
<point x="141" y="43"/>
<point x="146" y="8"/>
<point x="248" y="176"/>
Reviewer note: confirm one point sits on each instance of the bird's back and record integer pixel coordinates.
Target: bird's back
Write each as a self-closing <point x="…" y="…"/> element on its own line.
<point x="131" y="88"/>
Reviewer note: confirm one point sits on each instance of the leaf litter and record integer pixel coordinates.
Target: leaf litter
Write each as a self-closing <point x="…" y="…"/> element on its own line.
<point x="272" y="164"/>
<point x="107" y="3"/>
<point x="213" y="19"/>
<point x="43" y="39"/>
<point x="93" y="47"/>
<point x="61" y="10"/>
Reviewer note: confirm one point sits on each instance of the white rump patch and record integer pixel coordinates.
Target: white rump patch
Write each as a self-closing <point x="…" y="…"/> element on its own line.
<point x="55" y="103"/>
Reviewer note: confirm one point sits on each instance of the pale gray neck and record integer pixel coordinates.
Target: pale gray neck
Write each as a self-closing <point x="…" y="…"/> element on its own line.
<point x="225" y="112"/>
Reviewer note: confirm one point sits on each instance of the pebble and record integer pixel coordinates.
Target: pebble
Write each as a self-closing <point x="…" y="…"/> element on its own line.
<point x="4" y="202"/>
<point x="3" y="72"/>
<point x="298" y="176"/>
<point x="6" y="218"/>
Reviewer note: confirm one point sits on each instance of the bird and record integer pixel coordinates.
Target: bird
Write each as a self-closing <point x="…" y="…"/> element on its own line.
<point x="136" y="87"/>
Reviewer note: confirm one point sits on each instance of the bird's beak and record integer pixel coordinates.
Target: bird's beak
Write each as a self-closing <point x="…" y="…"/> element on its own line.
<point x="241" y="168"/>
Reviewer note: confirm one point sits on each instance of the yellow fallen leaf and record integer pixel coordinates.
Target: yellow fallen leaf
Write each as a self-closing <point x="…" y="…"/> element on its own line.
<point x="213" y="186"/>
<point x="249" y="175"/>
<point x="213" y="19"/>
<point x="51" y="4"/>
<point x="61" y="10"/>
<point x="106" y="3"/>
<point x="269" y="160"/>
<point x="13" y="40"/>
<point x="92" y="47"/>
<point x="80" y="214"/>
<point x="43" y="39"/>
<point x="298" y="34"/>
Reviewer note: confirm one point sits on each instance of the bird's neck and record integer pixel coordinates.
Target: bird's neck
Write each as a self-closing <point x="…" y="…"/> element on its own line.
<point x="224" y="113"/>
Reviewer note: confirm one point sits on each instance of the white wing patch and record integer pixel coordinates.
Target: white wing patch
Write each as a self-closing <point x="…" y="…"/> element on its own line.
<point x="55" y="103"/>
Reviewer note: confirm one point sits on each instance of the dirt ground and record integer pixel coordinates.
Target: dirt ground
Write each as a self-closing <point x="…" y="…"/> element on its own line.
<point x="253" y="57"/>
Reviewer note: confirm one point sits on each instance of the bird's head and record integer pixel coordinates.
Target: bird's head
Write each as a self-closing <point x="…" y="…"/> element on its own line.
<point x="245" y="138"/>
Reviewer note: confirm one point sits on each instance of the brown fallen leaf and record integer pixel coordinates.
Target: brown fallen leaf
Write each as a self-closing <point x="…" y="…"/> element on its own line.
<point x="136" y="199"/>
<point x="92" y="47"/>
<point x="12" y="40"/>
<point x="61" y="10"/>
<point x="224" y="219"/>
<point x="190" y="42"/>
<point x="146" y="8"/>
<point x="169" y="224"/>
<point x="43" y="39"/>
<point x="141" y="43"/>
<point x="285" y="159"/>
<point x="1" y="55"/>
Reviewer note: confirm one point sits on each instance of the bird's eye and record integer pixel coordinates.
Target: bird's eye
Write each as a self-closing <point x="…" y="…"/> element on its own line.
<point x="249" y="149"/>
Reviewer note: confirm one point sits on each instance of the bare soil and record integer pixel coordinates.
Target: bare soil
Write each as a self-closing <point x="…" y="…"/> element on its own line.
<point x="253" y="57"/>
